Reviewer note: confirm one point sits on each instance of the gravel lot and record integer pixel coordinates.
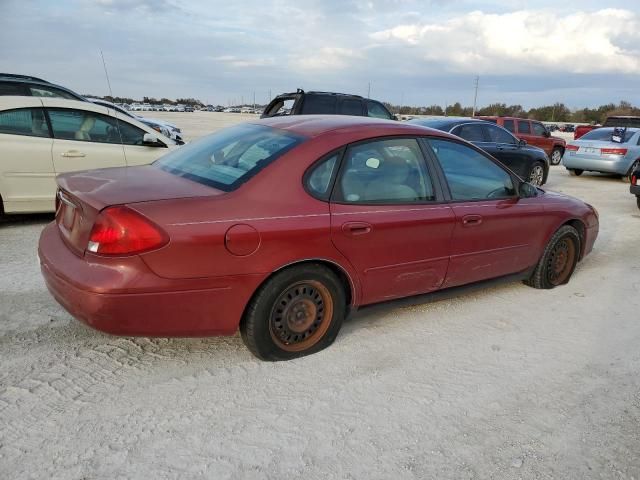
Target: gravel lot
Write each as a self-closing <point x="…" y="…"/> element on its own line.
<point x="501" y="382"/>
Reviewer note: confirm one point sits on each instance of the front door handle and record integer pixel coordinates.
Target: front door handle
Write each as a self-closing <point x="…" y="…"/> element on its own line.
<point x="471" y="220"/>
<point x="356" y="228"/>
<point x="73" y="154"/>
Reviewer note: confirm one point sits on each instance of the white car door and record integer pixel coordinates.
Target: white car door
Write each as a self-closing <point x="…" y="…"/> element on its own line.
<point x="27" y="178"/>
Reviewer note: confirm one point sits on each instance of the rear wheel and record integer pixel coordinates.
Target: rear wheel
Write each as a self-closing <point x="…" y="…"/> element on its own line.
<point x="558" y="260"/>
<point x="536" y="174"/>
<point x="575" y="172"/>
<point x="556" y="156"/>
<point x="296" y="312"/>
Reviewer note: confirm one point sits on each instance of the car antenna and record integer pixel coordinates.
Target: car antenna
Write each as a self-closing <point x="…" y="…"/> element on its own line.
<point x="106" y="74"/>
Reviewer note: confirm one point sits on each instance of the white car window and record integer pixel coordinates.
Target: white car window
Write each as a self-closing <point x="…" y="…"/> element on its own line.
<point x="85" y="126"/>
<point x="26" y="121"/>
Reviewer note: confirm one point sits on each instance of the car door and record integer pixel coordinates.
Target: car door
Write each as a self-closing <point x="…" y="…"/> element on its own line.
<point x="494" y="228"/>
<point x="541" y="137"/>
<point x="525" y="132"/>
<point x="387" y="220"/>
<point x="84" y="139"/>
<point x="27" y="178"/>
<point x="508" y="150"/>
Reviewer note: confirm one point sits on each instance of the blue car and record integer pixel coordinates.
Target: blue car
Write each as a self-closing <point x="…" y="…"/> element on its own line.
<point x="606" y="150"/>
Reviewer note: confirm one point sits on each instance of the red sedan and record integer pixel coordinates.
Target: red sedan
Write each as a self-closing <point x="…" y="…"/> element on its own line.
<point x="282" y="226"/>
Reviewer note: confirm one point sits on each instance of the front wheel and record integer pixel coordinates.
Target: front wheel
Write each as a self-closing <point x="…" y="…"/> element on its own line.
<point x="556" y="156"/>
<point x="558" y="260"/>
<point x="296" y="312"/>
<point x="536" y="174"/>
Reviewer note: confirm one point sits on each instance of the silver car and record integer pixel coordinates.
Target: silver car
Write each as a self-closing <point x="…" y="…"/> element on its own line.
<point x="596" y="151"/>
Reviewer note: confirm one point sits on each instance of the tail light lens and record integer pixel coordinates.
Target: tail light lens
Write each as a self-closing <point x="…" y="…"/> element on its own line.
<point x="613" y="151"/>
<point x="572" y="148"/>
<point x="123" y="231"/>
<point x="634" y="180"/>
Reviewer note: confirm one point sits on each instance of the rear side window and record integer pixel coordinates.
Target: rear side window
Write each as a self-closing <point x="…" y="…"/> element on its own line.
<point x="26" y="121"/>
<point x="389" y="171"/>
<point x="524" y="126"/>
<point x="350" y="107"/>
<point x="471" y="133"/>
<point x="230" y="157"/>
<point x="319" y="104"/>
<point x="470" y="175"/>
<point x="11" y="88"/>
<point x="510" y="125"/>
<point x="377" y="110"/>
<point x="318" y="180"/>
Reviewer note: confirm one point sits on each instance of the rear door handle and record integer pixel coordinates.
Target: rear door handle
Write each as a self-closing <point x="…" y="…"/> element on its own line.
<point x="73" y="154"/>
<point x="356" y="228"/>
<point x="471" y="220"/>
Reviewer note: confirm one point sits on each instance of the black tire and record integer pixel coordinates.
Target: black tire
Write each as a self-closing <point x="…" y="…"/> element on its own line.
<point x="556" y="156"/>
<point x="638" y="201"/>
<point x="296" y="312"/>
<point x="536" y="174"/>
<point x="576" y="172"/>
<point x="562" y="252"/>
<point x="627" y="178"/>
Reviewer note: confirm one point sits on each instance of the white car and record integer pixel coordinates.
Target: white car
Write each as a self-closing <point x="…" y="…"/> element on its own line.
<point x="42" y="137"/>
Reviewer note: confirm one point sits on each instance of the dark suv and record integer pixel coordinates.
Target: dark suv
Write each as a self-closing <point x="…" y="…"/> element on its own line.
<point x="325" y="103"/>
<point x="26" y="86"/>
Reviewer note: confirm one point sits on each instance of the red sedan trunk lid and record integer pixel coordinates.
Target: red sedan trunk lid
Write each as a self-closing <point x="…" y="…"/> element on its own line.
<point x="84" y="194"/>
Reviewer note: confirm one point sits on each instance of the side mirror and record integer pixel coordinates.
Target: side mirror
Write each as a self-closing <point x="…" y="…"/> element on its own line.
<point x="522" y="143"/>
<point x="526" y="190"/>
<point x="546" y="134"/>
<point x="151" y="140"/>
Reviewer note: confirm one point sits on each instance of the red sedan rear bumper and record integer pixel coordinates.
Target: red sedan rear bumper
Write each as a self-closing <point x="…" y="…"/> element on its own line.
<point x="123" y="297"/>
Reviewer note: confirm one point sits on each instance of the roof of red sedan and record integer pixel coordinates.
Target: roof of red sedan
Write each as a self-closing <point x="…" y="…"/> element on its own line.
<point x="315" y="125"/>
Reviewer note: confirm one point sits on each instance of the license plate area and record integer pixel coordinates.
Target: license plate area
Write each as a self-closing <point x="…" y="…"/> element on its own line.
<point x="590" y="150"/>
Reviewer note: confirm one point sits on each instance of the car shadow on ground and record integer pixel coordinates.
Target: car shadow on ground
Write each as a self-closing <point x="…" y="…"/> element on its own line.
<point x="25" y="219"/>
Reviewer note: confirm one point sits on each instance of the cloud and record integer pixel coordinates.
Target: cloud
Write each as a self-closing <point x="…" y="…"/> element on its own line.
<point x="604" y="41"/>
<point x="326" y="58"/>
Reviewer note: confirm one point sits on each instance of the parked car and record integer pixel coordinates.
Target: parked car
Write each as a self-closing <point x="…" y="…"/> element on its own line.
<point x="25" y="85"/>
<point x="325" y="103"/>
<point x="188" y="108"/>
<point x="635" y="185"/>
<point x="534" y="133"/>
<point x="612" y="121"/>
<point x="530" y="163"/>
<point x="367" y="210"/>
<point x="596" y="151"/>
<point x="41" y="137"/>
<point x="165" y="128"/>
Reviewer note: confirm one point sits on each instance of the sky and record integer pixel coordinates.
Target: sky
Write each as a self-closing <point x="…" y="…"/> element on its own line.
<point x="422" y="52"/>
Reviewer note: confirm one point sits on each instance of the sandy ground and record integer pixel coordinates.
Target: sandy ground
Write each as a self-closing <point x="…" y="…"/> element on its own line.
<point x="504" y="382"/>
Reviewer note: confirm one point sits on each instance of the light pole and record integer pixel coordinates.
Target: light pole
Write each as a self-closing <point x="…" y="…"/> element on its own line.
<point x="475" y="96"/>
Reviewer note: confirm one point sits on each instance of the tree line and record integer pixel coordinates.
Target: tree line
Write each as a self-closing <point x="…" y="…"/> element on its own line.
<point x="557" y="112"/>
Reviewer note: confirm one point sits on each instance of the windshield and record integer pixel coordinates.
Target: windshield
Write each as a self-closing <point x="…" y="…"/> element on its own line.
<point x="228" y="158"/>
<point x="604" y="135"/>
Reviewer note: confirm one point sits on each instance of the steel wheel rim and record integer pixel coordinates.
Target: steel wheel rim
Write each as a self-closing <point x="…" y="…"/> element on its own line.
<point x="537" y="173"/>
<point x="301" y="316"/>
<point x="561" y="261"/>
<point x="556" y="156"/>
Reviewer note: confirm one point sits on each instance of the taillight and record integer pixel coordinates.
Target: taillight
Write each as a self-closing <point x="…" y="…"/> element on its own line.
<point x="634" y="180"/>
<point x="572" y="148"/>
<point x="613" y="151"/>
<point x="123" y="231"/>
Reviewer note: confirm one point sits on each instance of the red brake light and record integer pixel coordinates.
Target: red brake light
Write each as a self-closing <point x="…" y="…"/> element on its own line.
<point x="613" y="151"/>
<point x="123" y="231"/>
<point x="572" y="148"/>
<point x="634" y="180"/>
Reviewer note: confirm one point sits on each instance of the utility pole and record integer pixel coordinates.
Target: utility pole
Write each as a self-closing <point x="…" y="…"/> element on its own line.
<point x="254" y="100"/>
<point x="475" y="96"/>
<point x="369" y="91"/>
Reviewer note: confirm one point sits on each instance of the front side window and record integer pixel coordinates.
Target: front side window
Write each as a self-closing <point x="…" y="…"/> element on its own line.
<point x="230" y="157"/>
<point x="524" y="127"/>
<point x="319" y="104"/>
<point x="351" y="107"/>
<point x="281" y="107"/>
<point x="500" y="135"/>
<point x="471" y="175"/>
<point x="25" y="121"/>
<point x="385" y="171"/>
<point x="318" y="181"/>
<point x="471" y="133"/>
<point x="377" y="110"/>
<point x="41" y="91"/>
<point x="510" y="125"/>
<point x="538" y="129"/>
<point x="82" y="125"/>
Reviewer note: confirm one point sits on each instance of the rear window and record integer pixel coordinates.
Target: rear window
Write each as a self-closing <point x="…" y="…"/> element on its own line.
<point x="604" y="135"/>
<point x="230" y="157"/>
<point x="319" y="104"/>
